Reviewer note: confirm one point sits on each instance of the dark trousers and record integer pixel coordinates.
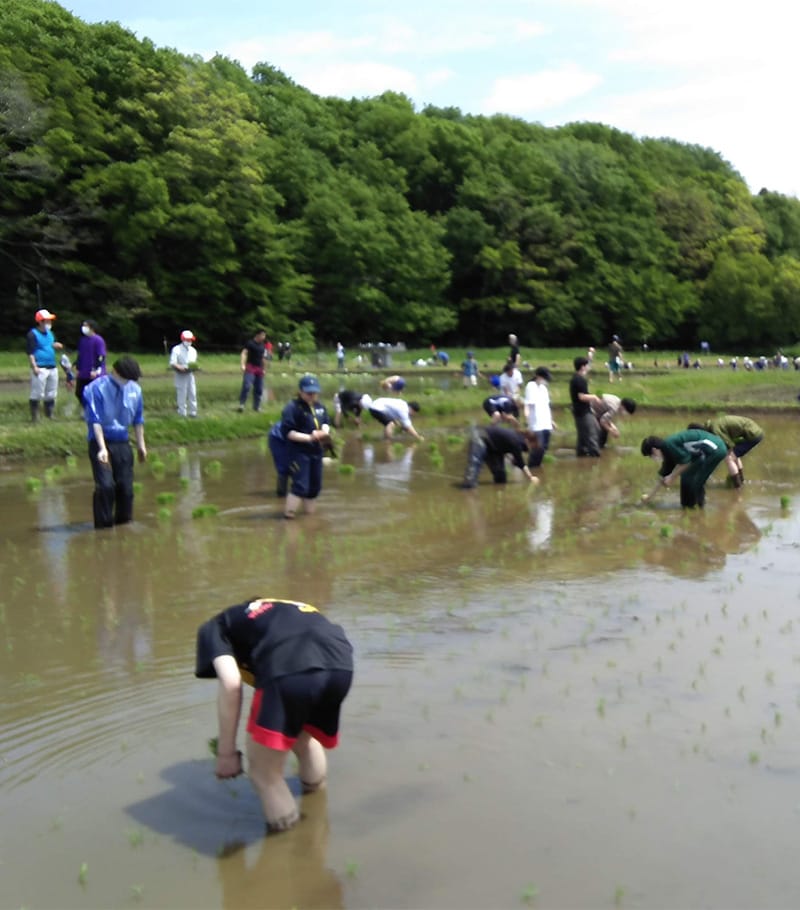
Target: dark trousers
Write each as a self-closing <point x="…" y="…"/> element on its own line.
<point x="478" y="455"/>
<point x="113" y="484"/>
<point x="588" y="443"/>
<point x="254" y="381"/>
<point x="542" y="445"/>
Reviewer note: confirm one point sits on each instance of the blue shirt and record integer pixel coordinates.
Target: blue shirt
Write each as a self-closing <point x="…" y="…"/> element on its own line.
<point x="42" y="346"/>
<point x="114" y="406"/>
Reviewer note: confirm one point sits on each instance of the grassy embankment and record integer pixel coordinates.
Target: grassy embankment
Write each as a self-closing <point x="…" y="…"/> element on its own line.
<point x="664" y="387"/>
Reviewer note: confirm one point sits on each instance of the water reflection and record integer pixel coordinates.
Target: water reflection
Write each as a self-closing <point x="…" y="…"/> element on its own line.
<point x="443" y="590"/>
<point x="283" y="871"/>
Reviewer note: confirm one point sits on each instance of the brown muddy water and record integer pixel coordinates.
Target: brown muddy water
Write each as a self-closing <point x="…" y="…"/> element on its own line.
<point x="561" y="699"/>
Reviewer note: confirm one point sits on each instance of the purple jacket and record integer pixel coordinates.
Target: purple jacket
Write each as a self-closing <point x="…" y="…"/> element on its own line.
<point x="91" y="356"/>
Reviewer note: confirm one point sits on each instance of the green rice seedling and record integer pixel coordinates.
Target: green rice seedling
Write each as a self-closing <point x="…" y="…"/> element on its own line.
<point x="53" y="474"/>
<point x="754" y="758"/>
<point x="785" y="502"/>
<point x="138" y="486"/>
<point x="158" y="469"/>
<point x="601" y="707"/>
<point x="164" y="514"/>
<point x="351" y="868"/>
<point x="529" y="894"/>
<point x="667" y="531"/>
<point x="453" y="440"/>
<point x="213" y="468"/>
<point x="184" y="482"/>
<point x="137" y="892"/>
<point x="135" y="837"/>
<point x="83" y="874"/>
<point x="346" y="469"/>
<point x="165" y="499"/>
<point x="205" y="511"/>
<point x="33" y="484"/>
<point x="619" y="895"/>
<point x="71" y="462"/>
<point x="181" y="453"/>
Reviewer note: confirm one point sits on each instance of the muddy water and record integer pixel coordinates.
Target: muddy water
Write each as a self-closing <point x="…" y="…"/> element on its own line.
<point x="560" y="698"/>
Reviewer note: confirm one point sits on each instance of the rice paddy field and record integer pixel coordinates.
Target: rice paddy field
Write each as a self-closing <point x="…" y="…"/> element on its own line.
<point x="562" y="698"/>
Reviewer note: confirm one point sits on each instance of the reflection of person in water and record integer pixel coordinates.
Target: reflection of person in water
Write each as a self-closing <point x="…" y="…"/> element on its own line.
<point x="288" y="872"/>
<point x="301" y="665"/>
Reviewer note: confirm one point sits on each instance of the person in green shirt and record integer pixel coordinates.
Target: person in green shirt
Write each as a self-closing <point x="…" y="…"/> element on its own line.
<point x="740" y="435"/>
<point x="691" y="455"/>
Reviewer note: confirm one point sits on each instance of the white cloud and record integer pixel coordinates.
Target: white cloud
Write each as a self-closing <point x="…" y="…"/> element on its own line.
<point x="358" y="80"/>
<point x="530" y="93"/>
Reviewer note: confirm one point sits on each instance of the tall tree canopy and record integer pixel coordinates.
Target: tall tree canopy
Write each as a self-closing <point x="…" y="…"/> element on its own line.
<point x="151" y="190"/>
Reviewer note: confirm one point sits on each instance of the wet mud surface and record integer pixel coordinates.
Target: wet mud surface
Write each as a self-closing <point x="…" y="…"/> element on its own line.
<point x="561" y="699"/>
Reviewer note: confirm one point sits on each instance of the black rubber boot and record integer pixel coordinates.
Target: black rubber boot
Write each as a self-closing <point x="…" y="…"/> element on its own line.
<point x="49" y="407"/>
<point x="34" y="411"/>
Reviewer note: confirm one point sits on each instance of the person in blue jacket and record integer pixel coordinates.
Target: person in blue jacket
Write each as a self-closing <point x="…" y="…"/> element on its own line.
<point x="306" y="427"/>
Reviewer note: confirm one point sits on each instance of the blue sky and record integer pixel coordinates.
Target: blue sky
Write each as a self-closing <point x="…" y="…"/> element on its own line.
<point x="718" y="73"/>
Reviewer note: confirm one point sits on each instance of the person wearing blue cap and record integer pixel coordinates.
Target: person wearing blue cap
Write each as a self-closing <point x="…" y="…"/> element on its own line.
<point x="306" y="428"/>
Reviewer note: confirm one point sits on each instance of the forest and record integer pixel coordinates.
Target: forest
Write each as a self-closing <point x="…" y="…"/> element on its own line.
<point x="153" y="191"/>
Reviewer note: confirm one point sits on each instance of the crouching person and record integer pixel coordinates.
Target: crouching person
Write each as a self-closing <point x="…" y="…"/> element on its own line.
<point x="301" y="666"/>
<point x="490" y="445"/>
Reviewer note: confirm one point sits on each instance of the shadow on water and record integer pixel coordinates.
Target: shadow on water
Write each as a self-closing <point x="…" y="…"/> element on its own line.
<point x="557" y="692"/>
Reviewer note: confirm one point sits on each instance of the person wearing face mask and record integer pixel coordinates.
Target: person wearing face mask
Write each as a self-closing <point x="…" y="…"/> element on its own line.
<point x="112" y="404"/>
<point x="91" y="358"/>
<point x="41" y="346"/>
<point x="183" y="360"/>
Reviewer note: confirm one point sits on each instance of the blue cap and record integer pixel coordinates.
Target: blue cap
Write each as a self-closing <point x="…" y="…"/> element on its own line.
<point x="309" y="384"/>
<point x="495" y="381"/>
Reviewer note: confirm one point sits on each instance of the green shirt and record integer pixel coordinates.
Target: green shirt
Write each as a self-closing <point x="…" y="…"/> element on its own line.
<point x="734" y="429"/>
<point x="688" y="445"/>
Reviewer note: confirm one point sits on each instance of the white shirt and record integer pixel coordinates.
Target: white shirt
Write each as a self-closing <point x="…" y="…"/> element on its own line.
<point x="510" y="384"/>
<point x="537" y="398"/>
<point x="394" y="409"/>
<point x="182" y="355"/>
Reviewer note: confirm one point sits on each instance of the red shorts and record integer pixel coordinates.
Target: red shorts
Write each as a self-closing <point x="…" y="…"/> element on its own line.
<point x="301" y="701"/>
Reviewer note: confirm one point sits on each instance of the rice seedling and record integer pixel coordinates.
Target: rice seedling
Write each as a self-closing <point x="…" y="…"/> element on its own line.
<point x="184" y="482"/>
<point x="138" y="486"/>
<point x="785" y="503"/>
<point x="33" y="484"/>
<point x="205" y="511"/>
<point x="346" y="469"/>
<point x="83" y="874"/>
<point x="137" y="892"/>
<point x="165" y="498"/>
<point x="529" y="894"/>
<point x="753" y="758"/>
<point x="135" y="837"/>
<point x="213" y="468"/>
<point x="351" y="868"/>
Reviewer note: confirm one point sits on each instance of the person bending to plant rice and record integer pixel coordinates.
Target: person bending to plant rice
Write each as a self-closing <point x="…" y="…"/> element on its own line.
<point x="301" y="667"/>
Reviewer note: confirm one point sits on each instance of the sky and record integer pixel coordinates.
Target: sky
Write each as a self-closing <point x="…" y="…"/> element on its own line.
<point x="716" y="73"/>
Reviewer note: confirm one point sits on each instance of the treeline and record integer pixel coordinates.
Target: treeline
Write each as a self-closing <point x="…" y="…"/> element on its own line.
<point x="153" y="191"/>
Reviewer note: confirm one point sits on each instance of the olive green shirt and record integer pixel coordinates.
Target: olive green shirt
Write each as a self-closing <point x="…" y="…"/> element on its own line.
<point x="732" y="429"/>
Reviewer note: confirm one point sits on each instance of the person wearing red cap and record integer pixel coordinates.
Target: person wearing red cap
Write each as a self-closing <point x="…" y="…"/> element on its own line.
<point x="183" y="361"/>
<point x="41" y="347"/>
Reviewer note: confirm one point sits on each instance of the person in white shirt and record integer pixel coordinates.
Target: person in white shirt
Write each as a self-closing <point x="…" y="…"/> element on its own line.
<point x="183" y="361"/>
<point x="511" y="381"/>
<point x="538" y="414"/>
<point x="391" y="411"/>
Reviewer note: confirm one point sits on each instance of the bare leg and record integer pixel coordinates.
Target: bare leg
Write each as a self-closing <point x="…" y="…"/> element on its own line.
<point x="292" y="505"/>
<point x="313" y="762"/>
<point x="265" y="770"/>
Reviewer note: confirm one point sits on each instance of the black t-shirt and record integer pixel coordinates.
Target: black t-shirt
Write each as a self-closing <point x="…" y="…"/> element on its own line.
<point x="505" y="441"/>
<point x="579" y="385"/>
<point x="350" y="402"/>
<point x="513" y="354"/>
<point x="273" y="638"/>
<point x="256" y="351"/>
